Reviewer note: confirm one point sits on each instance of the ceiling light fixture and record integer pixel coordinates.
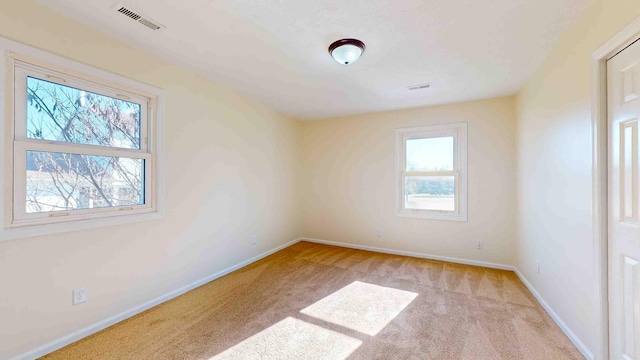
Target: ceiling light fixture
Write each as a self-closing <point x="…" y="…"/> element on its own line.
<point x="346" y="51"/>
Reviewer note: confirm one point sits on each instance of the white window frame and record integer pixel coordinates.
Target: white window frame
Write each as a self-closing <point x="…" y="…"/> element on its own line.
<point x="459" y="132"/>
<point x="22" y="61"/>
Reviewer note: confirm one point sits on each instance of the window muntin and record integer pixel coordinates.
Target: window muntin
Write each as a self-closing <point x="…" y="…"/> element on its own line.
<point x="432" y="172"/>
<point x="81" y="148"/>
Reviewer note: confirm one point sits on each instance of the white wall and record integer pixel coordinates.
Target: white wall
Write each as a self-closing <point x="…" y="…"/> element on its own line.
<point x="554" y="170"/>
<point x="231" y="172"/>
<point x="349" y="182"/>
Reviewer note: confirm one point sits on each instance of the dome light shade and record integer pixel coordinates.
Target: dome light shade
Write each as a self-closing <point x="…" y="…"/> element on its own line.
<point x="346" y="51"/>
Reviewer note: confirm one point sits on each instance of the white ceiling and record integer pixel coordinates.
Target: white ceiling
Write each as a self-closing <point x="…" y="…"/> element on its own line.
<point x="275" y="51"/>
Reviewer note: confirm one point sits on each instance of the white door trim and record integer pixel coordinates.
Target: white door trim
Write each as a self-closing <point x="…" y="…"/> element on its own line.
<point x="623" y="38"/>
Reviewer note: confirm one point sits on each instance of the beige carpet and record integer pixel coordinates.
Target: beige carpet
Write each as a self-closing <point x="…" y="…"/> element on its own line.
<point x="314" y="301"/>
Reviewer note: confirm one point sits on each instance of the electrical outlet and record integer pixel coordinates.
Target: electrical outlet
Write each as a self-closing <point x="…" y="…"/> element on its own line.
<point x="379" y="233"/>
<point x="254" y="239"/>
<point x="79" y="296"/>
<point x="479" y="245"/>
<point x="538" y="266"/>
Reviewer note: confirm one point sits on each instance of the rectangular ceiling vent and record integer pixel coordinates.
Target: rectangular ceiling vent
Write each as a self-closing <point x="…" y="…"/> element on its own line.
<point x="418" y="87"/>
<point x="134" y="15"/>
<point x="129" y="13"/>
<point x="150" y="24"/>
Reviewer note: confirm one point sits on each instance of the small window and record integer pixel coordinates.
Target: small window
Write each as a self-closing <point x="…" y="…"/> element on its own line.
<point x="431" y="172"/>
<point x="81" y="148"/>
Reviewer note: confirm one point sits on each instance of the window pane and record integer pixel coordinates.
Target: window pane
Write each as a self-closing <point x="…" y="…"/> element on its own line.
<point x="430" y="193"/>
<point x="430" y="154"/>
<point x="62" y="113"/>
<point x="61" y="181"/>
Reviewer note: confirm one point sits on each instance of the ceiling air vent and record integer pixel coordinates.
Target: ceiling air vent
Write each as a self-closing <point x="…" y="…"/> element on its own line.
<point x="149" y="24"/>
<point x="134" y="15"/>
<point x="418" y="87"/>
<point x="129" y="13"/>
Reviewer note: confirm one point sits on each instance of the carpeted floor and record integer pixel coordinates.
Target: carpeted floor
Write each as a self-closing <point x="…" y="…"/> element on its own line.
<point x="313" y="301"/>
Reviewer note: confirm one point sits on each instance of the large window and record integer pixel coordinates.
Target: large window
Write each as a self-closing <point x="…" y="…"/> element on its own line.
<point x="81" y="148"/>
<point x="431" y="172"/>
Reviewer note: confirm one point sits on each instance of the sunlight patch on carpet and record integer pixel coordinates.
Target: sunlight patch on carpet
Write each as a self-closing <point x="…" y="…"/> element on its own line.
<point x="363" y="307"/>
<point x="293" y="339"/>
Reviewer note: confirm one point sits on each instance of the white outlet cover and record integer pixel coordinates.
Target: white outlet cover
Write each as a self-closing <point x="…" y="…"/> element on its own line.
<point x="79" y="296"/>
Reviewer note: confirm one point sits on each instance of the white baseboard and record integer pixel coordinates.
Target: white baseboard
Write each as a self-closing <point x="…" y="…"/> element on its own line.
<point x="101" y="325"/>
<point x="570" y="334"/>
<point x="92" y="329"/>
<point x="412" y="254"/>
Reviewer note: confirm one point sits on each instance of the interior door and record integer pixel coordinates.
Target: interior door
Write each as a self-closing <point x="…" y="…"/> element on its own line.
<point x="623" y="86"/>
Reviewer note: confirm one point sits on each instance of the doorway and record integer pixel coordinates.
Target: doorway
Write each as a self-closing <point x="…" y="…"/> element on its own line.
<point x="608" y="329"/>
<point x="623" y="108"/>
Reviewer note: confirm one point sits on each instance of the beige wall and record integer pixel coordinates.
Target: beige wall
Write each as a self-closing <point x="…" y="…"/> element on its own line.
<point x="554" y="159"/>
<point x="231" y="172"/>
<point x="349" y="182"/>
<point x="235" y="168"/>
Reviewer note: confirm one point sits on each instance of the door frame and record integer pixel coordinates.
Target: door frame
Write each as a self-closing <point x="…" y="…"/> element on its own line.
<point x="599" y="124"/>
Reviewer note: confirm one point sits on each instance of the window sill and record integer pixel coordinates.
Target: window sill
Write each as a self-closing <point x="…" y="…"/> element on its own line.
<point x="433" y="216"/>
<point x="16" y="233"/>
